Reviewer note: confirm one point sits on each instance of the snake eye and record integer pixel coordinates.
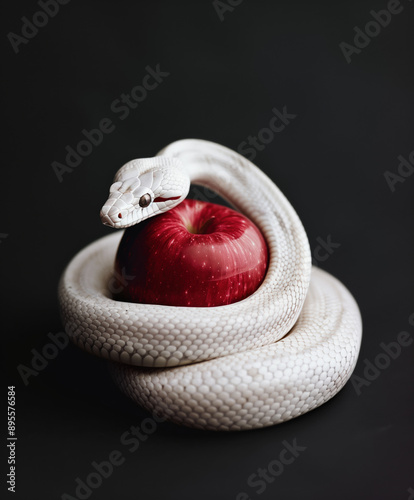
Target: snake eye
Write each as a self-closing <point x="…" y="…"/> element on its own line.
<point x="145" y="200"/>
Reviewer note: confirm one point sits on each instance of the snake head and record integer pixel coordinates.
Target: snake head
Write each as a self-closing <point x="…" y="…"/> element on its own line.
<point x="143" y="188"/>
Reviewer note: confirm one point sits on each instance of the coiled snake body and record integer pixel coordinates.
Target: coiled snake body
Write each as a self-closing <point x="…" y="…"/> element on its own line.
<point x="248" y="364"/>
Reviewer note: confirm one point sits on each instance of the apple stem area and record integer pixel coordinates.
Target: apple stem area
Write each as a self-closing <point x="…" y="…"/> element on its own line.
<point x="202" y="228"/>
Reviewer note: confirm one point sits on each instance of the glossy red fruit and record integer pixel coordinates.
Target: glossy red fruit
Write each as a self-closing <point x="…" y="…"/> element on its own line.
<point x="197" y="254"/>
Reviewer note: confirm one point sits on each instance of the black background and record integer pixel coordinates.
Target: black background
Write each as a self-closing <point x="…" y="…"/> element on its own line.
<point x="353" y="120"/>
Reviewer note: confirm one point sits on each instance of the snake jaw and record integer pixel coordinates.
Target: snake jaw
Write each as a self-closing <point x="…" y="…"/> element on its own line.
<point x="119" y="218"/>
<point x="119" y="211"/>
<point x="108" y="217"/>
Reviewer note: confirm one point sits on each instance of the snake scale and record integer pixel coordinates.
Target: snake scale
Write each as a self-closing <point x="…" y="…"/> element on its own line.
<point x="282" y="351"/>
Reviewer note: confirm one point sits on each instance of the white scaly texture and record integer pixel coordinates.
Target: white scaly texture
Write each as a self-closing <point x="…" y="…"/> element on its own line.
<point x="266" y="385"/>
<point x="164" y="336"/>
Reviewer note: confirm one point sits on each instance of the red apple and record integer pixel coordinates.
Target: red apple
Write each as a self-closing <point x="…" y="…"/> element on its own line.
<point x="197" y="254"/>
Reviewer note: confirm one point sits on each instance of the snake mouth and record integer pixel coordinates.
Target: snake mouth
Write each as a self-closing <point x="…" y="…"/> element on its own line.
<point x="107" y="220"/>
<point x="113" y="216"/>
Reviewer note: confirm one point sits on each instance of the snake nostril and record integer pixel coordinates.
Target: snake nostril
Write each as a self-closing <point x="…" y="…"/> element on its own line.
<point x="120" y="216"/>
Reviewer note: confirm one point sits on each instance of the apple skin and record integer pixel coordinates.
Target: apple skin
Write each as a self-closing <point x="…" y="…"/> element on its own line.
<point x="198" y="254"/>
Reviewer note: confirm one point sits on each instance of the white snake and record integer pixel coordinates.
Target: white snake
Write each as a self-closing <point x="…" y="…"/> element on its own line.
<point x="239" y="374"/>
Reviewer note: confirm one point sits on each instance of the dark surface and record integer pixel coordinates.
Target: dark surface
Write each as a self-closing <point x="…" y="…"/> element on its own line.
<point x="353" y="120"/>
